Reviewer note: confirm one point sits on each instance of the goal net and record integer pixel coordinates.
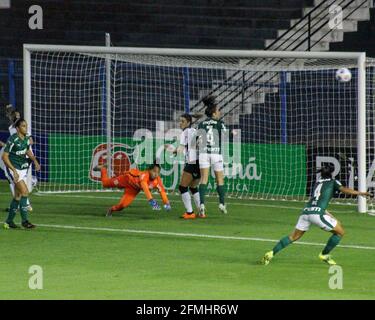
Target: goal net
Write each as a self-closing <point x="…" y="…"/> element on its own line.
<point x="120" y="106"/>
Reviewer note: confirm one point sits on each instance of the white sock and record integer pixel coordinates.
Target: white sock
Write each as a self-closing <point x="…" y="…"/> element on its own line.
<point x="197" y="200"/>
<point x="186" y="198"/>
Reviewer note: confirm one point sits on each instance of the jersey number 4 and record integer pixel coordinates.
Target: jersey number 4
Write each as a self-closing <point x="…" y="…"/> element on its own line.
<point x="317" y="192"/>
<point x="210" y="136"/>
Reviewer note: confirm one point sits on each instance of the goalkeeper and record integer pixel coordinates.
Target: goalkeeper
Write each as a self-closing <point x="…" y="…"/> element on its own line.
<point x="133" y="181"/>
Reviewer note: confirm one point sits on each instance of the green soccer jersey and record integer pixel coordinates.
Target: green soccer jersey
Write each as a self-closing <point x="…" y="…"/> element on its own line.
<point x="210" y="131"/>
<point x="17" y="148"/>
<point x="323" y="192"/>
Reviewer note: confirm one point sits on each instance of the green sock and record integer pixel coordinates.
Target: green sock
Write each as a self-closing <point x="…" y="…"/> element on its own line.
<point x="202" y="192"/>
<point x="221" y="192"/>
<point x="284" y="242"/>
<point x="23" y="208"/>
<point x="12" y="210"/>
<point x="333" y="241"/>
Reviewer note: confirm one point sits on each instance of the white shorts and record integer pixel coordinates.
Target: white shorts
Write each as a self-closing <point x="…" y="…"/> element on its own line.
<point x="215" y="160"/>
<point x="2" y="165"/>
<point x="323" y="221"/>
<point x="22" y="174"/>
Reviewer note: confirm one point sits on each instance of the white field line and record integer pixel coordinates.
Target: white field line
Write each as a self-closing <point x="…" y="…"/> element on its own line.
<point x="192" y="235"/>
<point x="179" y="201"/>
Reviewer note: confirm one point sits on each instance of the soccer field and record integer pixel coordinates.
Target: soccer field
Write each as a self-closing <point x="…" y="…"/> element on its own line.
<point x="142" y="254"/>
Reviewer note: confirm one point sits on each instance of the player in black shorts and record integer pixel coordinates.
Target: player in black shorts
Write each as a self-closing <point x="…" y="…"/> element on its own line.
<point x="191" y="174"/>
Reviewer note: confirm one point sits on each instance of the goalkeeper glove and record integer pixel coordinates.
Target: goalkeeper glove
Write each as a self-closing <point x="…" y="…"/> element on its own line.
<point x="154" y="204"/>
<point x="167" y="206"/>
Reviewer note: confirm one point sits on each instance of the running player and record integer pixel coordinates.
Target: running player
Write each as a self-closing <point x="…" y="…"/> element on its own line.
<point x="17" y="164"/>
<point x="315" y="213"/>
<point x="209" y="133"/>
<point x="191" y="174"/>
<point x="133" y="181"/>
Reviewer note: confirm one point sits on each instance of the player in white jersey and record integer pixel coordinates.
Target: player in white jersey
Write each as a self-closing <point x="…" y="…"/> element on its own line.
<point x="13" y="115"/>
<point x="191" y="174"/>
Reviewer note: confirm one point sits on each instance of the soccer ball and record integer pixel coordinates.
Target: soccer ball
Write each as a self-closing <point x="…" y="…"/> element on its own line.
<point x="343" y="75"/>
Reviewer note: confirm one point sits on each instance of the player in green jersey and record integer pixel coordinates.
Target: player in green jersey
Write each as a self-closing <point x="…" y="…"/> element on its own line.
<point x="210" y="133"/>
<point x="315" y="213"/>
<point x="17" y="165"/>
<point x="13" y="115"/>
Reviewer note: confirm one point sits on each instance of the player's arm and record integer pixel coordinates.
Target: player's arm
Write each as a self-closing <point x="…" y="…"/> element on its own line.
<point x="180" y="148"/>
<point x="353" y="192"/>
<point x="163" y="194"/>
<point x="31" y="156"/>
<point x="172" y="149"/>
<point x="232" y="132"/>
<point x="146" y="190"/>
<point x="2" y="144"/>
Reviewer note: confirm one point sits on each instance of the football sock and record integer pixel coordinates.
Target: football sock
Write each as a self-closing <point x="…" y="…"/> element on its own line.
<point x="202" y="192"/>
<point x="333" y="241"/>
<point x="221" y="192"/>
<point x="186" y="198"/>
<point x="23" y="208"/>
<point x="283" y="243"/>
<point x="197" y="200"/>
<point x="12" y="210"/>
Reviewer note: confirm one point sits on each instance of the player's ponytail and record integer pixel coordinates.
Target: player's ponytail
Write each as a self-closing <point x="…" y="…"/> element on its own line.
<point x="210" y="103"/>
<point x="12" y="114"/>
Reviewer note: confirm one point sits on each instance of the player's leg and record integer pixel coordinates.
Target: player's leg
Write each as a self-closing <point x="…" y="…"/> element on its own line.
<point x="329" y="223"/>
<point x="13" y="207"/>
<point x="116" y="182"/>
<point x="127" y="198"/>
<point x="219" y="175"/>
<point x="195" y="192"/>
<point x="20" y="200"/>
<point x="204" y="166"/>
<point x="186" y="180"/>
<point x="29" y="186"/>
<point x="218" y="165"/>
<point x="302" y="226"/>
<point x="13" y="192"/>
<point x="14" y="204"/>
<point x="22" y="189"/>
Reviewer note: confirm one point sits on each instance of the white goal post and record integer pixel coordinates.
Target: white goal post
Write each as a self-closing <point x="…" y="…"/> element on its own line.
<point x="59" y="79"/>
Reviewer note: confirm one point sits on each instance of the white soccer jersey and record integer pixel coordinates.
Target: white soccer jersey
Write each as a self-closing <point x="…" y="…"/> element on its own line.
<point x="12" y="130"/>
<point x="187" y="140"/>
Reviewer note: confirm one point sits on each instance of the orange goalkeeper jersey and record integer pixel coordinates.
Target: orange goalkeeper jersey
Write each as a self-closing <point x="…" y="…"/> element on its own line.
<point x="140" y="180"/>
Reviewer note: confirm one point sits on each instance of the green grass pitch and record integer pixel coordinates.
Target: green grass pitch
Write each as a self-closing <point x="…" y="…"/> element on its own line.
<point x="142" y="254"/>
